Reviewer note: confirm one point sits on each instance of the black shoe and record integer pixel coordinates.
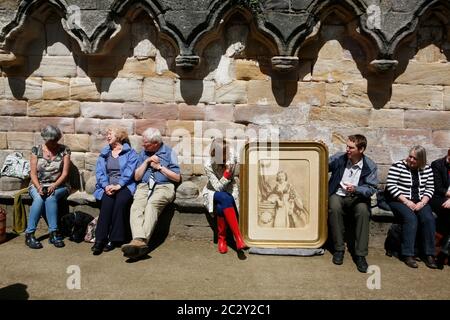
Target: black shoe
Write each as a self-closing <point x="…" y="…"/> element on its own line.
<point x="410" y="262"/>
<point x="109" y="246"/>
<point x="97" y="248"/>
<point x="361" y="264"/>
<point x="430" y="262"/>
<point x="56" y="240"/>
<point x="338" y="257"/>
<point x="31" y="241"/>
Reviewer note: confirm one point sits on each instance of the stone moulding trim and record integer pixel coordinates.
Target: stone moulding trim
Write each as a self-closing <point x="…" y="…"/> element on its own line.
<point x="384" y="65"/>
<point x="187" y="61"/>
<point x="284" y="63"/>
<point x="286" y="42"/>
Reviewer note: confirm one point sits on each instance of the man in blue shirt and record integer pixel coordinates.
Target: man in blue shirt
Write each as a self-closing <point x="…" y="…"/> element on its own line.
<point x="157" y="174"/>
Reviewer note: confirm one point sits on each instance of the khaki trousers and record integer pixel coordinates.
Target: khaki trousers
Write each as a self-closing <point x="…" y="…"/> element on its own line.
<point x="144" y="212"/>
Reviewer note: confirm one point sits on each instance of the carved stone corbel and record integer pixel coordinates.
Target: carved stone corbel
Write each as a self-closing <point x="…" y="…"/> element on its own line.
<point x="384" y="65"/>
<point x="284" y="63"/>
<point x="7" y="58"/>
<point x="187" y="61"/>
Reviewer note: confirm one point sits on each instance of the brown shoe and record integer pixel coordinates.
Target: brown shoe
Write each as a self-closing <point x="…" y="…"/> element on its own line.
<point x="410" y="262"/>
<point x="134" y="249"/>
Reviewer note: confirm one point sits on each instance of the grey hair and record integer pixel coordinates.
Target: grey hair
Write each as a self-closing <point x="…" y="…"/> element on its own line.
<point x="50" y="132"/>
<point x="152" y="135"/>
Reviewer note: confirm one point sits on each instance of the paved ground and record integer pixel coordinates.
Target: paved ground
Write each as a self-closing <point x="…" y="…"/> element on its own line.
<point x="192" y="269"/>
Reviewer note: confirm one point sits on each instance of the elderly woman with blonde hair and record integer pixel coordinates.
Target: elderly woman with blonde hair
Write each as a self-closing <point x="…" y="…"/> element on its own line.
<point x="410" y="187"/>
<point x="114" y="189"/>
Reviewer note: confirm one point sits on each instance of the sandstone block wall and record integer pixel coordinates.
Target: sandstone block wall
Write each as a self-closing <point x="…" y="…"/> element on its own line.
<point x="134" y="82"/>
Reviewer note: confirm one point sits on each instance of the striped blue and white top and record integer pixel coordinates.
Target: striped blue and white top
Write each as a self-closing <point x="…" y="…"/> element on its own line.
<point x="399" y="181"/>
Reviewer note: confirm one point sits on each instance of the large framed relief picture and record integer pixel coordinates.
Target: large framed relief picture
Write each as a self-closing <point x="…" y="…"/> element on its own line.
<point x="284" y="194"/>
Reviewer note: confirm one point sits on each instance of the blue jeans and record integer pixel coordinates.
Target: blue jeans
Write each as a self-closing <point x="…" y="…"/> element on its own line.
<point x="51" y="208"/>
<point x="411" y="222"/>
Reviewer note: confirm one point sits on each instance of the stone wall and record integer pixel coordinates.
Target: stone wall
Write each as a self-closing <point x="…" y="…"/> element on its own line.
<point x="336" y="80"/>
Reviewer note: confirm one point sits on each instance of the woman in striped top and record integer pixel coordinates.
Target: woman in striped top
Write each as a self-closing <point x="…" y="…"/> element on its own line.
<point x="410" y="186"/>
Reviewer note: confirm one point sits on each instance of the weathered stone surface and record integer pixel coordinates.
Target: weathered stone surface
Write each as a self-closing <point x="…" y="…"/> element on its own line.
<point x="431" y="53"/>
<point x="384" y="118"/>
<point x="310" y="93"/>
<point x="349" y="93"/>
<point x="102" y="66"/>
<point x="229" y="130"/>
<point x="425" y="74"/>
<point x="267" y="114"/>
<point x="234" y="92"/>
<point x="441" y="138"/>
<point x="447" y="98"/>
<point x="436" y="120"/>
<point x="23" y="88"/>
<point x="335" y="70"/>
<point x="77" y="159"/>
<point x="127" y="124"/>
<point x="341" y="117"/>
<point x="331" y="50"/>
<point x="379" y="154"/>
<point x="66" y="125"/>
<point x="187" y="190"/>
<point x="406" y="137"/>
<point x="182" y="128"/>
<point x="308" y="132"/>
<point x="260" y="92"/>
<point x="416" y="97"/>
<point x="6" y="123"/>
<point x="2" y="87"/>
<point x="90" y="126"/>
<point x="26" y="124"/>
<point x="188" y="112"/>
<point x="90" y="185"/>
<point x="194" y="91"/>
<point x="248" y="70"/>
<point x="90" y="161"/>
<point x="51" y="66"/>
<point x="10" y="183"/>
<point x="159" y="90"/>
<point x="58" y="42"/>
<point x="142" y="125"/>
<point x="20" y="140"/>
<point x="3" y="141"/>
<point x="85" y="89"/>
<point x="138" y="68"/>
<point x="136" y="142"/>
<point x="161" y="111"/>
<point x="103" y="110"/>
<point x="121" y="89"/>
<point x="13" y="108"/>
<point x="77" y="142"/>
<point x="219" y="112"/>
<point x="54" y="108"/>
<point x="373" y="135"/>
<point x="132" y="110"/>
<point x="96" y="142"/>
<point x="55" y="88"/>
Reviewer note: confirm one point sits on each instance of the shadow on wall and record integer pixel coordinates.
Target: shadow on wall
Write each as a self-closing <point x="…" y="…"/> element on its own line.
<point x="431" y="35"/>
<point x="17" y="291"/>
<point x="336" y="49"/>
